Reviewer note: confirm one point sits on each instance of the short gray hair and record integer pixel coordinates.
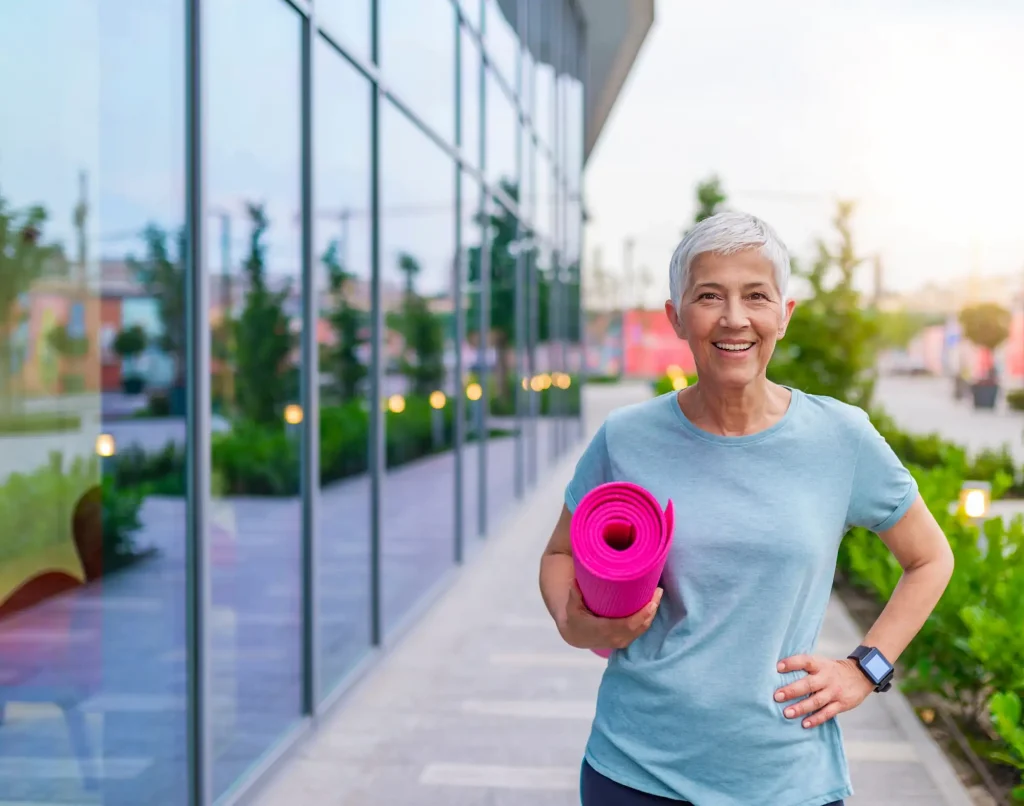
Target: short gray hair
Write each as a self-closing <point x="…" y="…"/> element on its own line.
<point x="726" y="234"/>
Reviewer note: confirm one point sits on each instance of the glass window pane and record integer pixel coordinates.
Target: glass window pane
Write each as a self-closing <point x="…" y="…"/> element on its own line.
<point x="92" y="431"/>
<point x="342" y="226"/>
<point x="545" y="351"/>
<point x="348" y="22"/>
<point x="471" y="64"/>
<point x="473" y="525"/>
<point x="254" y="259"/>
<point x="417" y="53"/>
<point x="526" y="84"/>
<point x="417" y="264"/>
<point x="543" y="103"/>
<point x="545" y="189"/>
<point x="503" y="242"/>
<point x="500" y="38"/>
<point x="471" y="11"/>
<point x="502" y="127"/>
<point x="574" y="134"/>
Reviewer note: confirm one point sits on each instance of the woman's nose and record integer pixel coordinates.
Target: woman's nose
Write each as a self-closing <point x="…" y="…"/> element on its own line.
<point x="734" y="315"/>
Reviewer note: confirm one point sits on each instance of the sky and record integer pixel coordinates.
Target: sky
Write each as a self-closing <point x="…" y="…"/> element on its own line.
<point x="911" y="107"/>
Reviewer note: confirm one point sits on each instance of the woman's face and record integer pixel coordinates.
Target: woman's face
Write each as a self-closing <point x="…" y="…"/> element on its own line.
<point x="731" y="315"/>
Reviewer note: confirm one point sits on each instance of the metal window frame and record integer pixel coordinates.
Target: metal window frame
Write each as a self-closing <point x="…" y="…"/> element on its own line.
<point x="197" y="423"/>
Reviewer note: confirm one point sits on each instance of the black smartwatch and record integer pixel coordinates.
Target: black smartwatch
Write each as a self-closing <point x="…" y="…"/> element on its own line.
<point x="875" y="666"/>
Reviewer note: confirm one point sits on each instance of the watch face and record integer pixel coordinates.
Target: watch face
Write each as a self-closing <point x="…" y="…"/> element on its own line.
<point x="876" y="666"/>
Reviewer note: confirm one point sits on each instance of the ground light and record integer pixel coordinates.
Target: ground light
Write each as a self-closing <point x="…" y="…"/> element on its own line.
<point x="976" y="499"/>
<point x="437" y="401"/>
<point x="293" y="414"/>
<point x="396" y="404"/>
<point x="105" y="445"/>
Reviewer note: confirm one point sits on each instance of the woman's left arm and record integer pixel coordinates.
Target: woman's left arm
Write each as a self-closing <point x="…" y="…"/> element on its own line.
<point x="923" y="552"/>
<point x="834" y="686"/>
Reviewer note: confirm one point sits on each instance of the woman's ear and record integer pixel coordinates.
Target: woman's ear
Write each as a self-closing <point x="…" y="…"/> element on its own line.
<point x="675" y="319"/>
<point x="787" y="315"/>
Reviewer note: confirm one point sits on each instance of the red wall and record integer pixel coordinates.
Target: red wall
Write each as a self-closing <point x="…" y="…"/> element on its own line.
<point x="652" y="346"/>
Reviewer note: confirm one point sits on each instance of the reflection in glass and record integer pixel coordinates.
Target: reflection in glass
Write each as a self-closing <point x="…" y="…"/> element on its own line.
<point x="254" y="255"/>
<point x="472" y="524"/>
<point x="545" y="189"/>
<point x="417" y="265"/>
<point x="498" y="257"/>
<point x="500" y="37"/>
<point x="471" y="11"/>
<point x="502" y="123"/>
<point x="471" y="77"/>
<point x="417" y="56"/>
<point x="92" y="567"/>
<point x="347" y="22"/>
<point x="342" y="249"/>
<point x="541" y="307"/>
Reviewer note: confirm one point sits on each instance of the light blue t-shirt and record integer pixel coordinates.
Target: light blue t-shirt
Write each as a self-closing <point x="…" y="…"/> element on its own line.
<point x="687" y="710"/>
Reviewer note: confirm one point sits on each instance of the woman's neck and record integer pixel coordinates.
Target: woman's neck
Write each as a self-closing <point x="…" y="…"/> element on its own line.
<point x="735" y="412"/>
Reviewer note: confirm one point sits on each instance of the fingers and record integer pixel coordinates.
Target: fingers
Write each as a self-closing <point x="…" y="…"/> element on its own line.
<point x="642" y="619"/>
<point x="796" y="663"/>
<point x="832" y="710"/>
<point x="812" y="703"/>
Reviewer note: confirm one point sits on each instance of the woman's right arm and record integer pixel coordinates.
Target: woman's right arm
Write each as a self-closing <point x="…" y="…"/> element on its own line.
<point x="576" y="624"/>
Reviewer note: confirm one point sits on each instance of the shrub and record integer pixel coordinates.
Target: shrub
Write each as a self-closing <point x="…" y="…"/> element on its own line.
<point x="264" y="460"/>
<point x="1015" y="399"/>
<point x="663" y="385"/>
<point x="1008" y="722"/>
<point x="37" y="510"/>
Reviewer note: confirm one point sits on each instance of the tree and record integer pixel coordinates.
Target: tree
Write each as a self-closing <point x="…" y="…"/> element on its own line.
<point x="131" y="342"/>
<point x="506" y="241"/>
<point x="163" y="277"/>
<point x="710" y="198"/>
<point x="24" y="259"/>
<point x="986" y="324"/>
<point x="423" y="332"/>
<point x="831" y="344"/>
<point x="342" y="360"/>
<point x="265" y="341"/>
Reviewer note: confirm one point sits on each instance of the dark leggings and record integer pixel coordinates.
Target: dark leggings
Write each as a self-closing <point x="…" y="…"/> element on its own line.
<point x="597" y="790"/>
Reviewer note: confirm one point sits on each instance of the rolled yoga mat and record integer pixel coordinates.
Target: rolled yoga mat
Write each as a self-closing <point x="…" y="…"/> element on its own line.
<point x="620" y="542"/>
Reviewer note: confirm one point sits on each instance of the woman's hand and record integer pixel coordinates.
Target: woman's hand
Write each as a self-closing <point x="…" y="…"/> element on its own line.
<point x="831" y="687"/>
<point x="583" y="630"/>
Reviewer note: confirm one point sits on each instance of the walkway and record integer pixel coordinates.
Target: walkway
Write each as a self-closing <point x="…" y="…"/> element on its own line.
<point x="923" y="405"/>
<point x="482" y="704"/>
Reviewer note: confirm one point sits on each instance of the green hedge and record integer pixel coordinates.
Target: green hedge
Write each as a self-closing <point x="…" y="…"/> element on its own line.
<point x="553" y="401"/>
<point x="43" y="422"/>
<point x="970" y="652"/>
<point x="259" y="460"/>
<point x="37" y="510"/>
<point x="663" y="385"/>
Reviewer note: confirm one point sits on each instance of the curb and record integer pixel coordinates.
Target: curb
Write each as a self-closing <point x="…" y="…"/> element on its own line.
<point x="931" y="756"/>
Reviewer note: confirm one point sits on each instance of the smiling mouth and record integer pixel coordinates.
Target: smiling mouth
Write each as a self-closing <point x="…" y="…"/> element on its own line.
<point x="741" y="347"/>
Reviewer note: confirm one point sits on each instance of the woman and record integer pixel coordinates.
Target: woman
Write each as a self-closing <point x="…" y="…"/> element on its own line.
<point x="712" y="696"/>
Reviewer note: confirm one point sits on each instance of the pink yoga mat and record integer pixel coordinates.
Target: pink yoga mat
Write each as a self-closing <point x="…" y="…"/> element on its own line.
<point x="620" y="542"/>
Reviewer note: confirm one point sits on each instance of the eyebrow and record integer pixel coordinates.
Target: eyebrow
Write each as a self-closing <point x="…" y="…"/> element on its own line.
<point x="720" y="287"/>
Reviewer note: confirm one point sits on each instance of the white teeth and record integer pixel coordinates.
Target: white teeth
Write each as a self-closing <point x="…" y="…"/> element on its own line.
<point x="734" y="348"/>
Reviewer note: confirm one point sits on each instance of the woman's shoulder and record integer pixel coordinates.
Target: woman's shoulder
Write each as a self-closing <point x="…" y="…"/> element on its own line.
<point x="835" y="415"/>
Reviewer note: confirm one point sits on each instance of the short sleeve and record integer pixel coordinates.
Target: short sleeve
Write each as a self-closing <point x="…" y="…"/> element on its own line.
<point x="883" y="489"/>
<point x="592" y="470"/>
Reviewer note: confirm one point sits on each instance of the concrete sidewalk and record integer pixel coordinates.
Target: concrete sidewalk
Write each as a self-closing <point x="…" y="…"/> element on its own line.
<point x="482" y="704"/>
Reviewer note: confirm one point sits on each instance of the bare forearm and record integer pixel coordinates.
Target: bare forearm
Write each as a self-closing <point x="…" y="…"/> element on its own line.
<point x="556" y="578"/>
<point x="913" y="600"/>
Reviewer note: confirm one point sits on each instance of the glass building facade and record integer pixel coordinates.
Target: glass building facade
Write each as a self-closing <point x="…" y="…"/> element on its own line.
<point x="290" y="297"/>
